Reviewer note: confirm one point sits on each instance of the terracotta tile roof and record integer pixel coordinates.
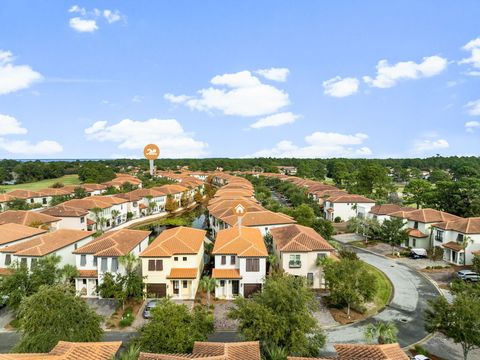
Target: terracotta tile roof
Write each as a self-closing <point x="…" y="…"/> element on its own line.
<point x="15" y="232"/>
<point x="220" y="203"/>
<point x="178" y="240"/>
<point x="370" y="352"/>
<point x="142" y="193"/>
<point x="220" y="212"/>
<point x="298" y="238"/>
<point x="330" y="193"/>
<point x="426" y="215"/>
<point x="72" y="351"/>
<point x="387" y="209"/>
<point x="345" y="198"/>
<point x="233" y="193"/>
<point x="465" y="226"/>
<point x="114" y="243"/>
<point x="54" y="192"/>
<point x="130" y="196"/>
<point x="476" y="253"/>
<point x="170" y="189"/>
<point x="226" y="274"/>
<point x="183" y="273"/>
<point x="91" y="202"/>
<point x="90" y="222"/>
<point x="23" y="194"/>
<point x="416" y="233"/>
<point x="258" y="218"/>
<point x="5" y="271"/>
<point x="248" y="242"/>
<point x="213" y="351"/>
<point x="27" y="218"/>
<point x="63" y="210"/>
<point x="453" y="246"/>
<point x="88" y="273"/>
<point x="5" y="198"/>
<point x="48" y="243"/>
<point x="93" y="187"/>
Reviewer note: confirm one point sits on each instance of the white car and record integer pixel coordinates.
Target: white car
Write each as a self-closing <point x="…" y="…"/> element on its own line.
<point x="420" y="357"/>
<point x="466" y="274"/>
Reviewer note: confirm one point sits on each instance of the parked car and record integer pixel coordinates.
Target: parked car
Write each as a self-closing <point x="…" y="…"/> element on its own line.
<point x="418" y="253"/>
<point x="150" y="305"/>
<point x="420" y="357"/>
<point x="468" y="275"/>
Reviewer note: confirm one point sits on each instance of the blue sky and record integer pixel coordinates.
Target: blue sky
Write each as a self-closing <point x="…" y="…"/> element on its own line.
<point x="100" y="79"/>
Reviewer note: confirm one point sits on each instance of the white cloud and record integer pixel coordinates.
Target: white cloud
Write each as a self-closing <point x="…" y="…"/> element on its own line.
<point x="15" y="77"/>
<point x="473" y="108"/>
<point x="428" y="145"/>
<point x="339" y="87"/>
<point x="23" y="147"/>
<point x="87" y="21"/>
<point x="176" y="99"/>
<point x="242" y="94"/>
<point x="112" y="16"/>
<point x="10" y="126"/>
<point x="275" y="74"/>
<point x="83" y="25"/>
<point x="321" y="144"/>
<point x="473" y="47"/>
<point x="168" y="134"/>
<point x="275" y="120"/>
<point x="388" y="75"/>
<point x="137" y="99"/>
<point x="470" y="126"/>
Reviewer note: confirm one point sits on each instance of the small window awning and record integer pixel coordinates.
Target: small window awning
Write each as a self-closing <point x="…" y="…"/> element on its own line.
<point x="180" y="273"/>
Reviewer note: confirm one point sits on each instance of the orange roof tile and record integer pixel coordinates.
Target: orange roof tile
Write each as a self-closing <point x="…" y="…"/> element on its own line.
<point x="183" y="273"/>
<point x="259" y="218"/>
<point x="178" y="240"/>
<point x="87" y="273"/>
<point x="453" y="245"/>
<point x="91" y="202"/>
<point x="370" y="352"/>
<point x="14" y="232"/>
<point x="27" y="218"/>
<point x="63" y="210"/>
<point x="416" y="233"/>
<point x="387" y="209"/>
<point x="426" y="215"/>
<point x="298" y="238"/>
<point x="247" y="242"/>
<point x="114" y="243"/>
<point x="350" y="199"/>
<point x="226" y="274"/>
<point x="48" y="243"/>
<point x="72" y="351"/>
<point x="23" y="194"/>
<point x="464" y="226"/>
<point x="54" y="192"/>
<point x="5" y="271"/>
<point x="5" y="198"/>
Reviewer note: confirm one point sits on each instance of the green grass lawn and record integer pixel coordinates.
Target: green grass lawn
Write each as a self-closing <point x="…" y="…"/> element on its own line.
<point x="42" y="184"/>
<point x="384" y="291"/>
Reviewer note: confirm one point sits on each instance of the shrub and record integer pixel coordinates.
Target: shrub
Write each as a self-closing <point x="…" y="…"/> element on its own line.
<point x="420" y="350"/>
<point x="127" y="318"/>
<point x="337" y="219"/>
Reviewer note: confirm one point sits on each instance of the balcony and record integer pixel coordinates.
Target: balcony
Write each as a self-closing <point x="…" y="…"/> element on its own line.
<point x="294" y="264"/>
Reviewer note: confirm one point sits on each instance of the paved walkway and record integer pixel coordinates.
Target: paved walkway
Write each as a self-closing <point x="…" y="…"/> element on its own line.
<point x="411" y="293"/>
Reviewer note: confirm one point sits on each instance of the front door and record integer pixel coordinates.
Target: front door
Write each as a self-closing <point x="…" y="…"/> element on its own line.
<point x="235" y="287"/>
<point x="249" y="289"/>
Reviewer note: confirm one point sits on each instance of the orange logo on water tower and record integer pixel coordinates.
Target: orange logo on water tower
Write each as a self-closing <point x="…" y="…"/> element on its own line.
<point x="151" y="152"/>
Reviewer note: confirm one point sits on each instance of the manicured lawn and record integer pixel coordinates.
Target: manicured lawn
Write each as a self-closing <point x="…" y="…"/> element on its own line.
<point x="361" y="243"/>
<point x="65" y="180"/>
<point x="384" y="291"/>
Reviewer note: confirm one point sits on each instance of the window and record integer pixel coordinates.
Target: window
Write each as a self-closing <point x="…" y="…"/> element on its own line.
<point x="294" y="261"/>
<point x="151" y="265"/>
<point x="310" y="279"/>
<point x="222" y="283"/>
<point x="44" y="201"/>
<point x="415" y="225"/>
<point x="8" y="259"/>
<point x="185" y="284"/>
<point x="232" y="260"/>
<point x="158" y="265"/>
<point x="321" y="256"/>
<point x="184" y="258"/>
<point x="84" y="281"/>
<point x="114" y="264"/>
<point x="95" y="261"/>
<point x="31" y="201"/>
<point x="439" y="236"/>
<point x="459" y="238"/>
<point x="83" y="260"/>
<point x="224" y="259"/>
<point x="175" y="258"/>
<point x="104" y="264"/>
<point x="23" y="262"/>
<point x="82" y="219"/>
<point x="414" y="243"/>
<point x="75" y="246"/>
<point x="33" y="263"/>
<point x="253" y="265"/>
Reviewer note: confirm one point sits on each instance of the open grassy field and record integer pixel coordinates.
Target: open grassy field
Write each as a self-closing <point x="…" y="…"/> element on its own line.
<point x="65" y="180"/>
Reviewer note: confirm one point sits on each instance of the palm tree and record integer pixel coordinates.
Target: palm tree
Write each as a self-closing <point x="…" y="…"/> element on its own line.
<point x="208" y="284"/>
<point x="384" y="332"/>
<point x="101" y="223"/>
<point x="273" y="262"/>
<point x="466" y="240"/>
<point x="131" y="353"/>
<point x="115" y="214"/>
<point x="129" y="262"/>
<point x="96" y="211"/>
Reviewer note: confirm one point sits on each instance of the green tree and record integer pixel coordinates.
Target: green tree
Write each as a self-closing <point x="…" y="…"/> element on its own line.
<point x="304" y="215"/>
<point x="170" y="204"/>
<point x="460" y="198"/>
<point x="208" y="285"/>
<point x="17" y="204"/>
<point x="79" y="192"/>
<point x="383" y="332"/>
<point x="54" y="313"/>
<point x="350" y="283"/>
<point x="281" y="315"/>
<point x="458" y="321"/>
<point x="115" y="214"/>
<point x="392" y="232"/>
<point x="174" y="328"/>
<point x="417" y="192"/>
<point x="476" y="263"/>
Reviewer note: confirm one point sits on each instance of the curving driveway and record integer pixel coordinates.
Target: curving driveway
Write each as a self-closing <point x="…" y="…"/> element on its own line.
<point x="411" y="293"/>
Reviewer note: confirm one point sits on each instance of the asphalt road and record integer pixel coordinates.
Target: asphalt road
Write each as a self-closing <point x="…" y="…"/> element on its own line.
<point x="411" y="294"/>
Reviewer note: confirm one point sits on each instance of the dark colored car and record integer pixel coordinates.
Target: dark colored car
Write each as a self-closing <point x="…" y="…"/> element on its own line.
<point x="150" y="305"/>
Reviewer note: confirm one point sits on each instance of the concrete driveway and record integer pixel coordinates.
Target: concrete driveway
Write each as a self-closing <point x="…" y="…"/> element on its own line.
<point x="411" y="293"/>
